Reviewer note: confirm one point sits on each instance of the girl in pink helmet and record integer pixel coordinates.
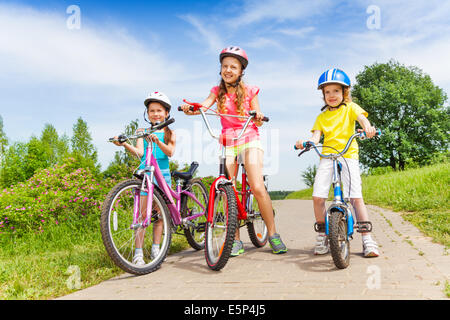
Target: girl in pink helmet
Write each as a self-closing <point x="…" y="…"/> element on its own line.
<point x="235" y="97"/>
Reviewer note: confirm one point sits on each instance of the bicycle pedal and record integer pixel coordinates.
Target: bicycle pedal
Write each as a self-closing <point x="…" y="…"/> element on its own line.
<point x="201" y="227"/>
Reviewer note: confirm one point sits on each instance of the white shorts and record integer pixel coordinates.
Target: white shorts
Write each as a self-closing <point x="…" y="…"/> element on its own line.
<point x="324" y="177"/>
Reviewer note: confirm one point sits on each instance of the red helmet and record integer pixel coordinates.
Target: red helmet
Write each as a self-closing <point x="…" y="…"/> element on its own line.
<point x="235" y="52"/>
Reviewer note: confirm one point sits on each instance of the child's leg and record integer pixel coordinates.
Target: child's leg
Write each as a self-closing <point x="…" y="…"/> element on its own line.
<point x="253" y="162"/>
<point x="370" y="247"/>
<point x="140" y="233"/>
<point x="319" y="209"/>
<point x="360" y="210"/>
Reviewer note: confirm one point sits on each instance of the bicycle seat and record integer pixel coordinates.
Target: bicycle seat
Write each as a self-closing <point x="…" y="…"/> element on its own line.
<point x="188" y="174"/>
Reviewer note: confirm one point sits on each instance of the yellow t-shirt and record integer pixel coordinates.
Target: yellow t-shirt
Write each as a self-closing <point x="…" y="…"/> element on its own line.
<point x="337" y="127"/>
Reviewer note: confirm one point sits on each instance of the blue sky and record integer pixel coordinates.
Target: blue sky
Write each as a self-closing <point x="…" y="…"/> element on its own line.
<point x="124" y="50"/>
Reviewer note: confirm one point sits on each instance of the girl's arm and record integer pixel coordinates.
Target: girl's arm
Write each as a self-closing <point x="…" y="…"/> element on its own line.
<point x="169" y="148"/>
<point x="206" y="104"/>
<point x="367" y="127"/>
<point x="137" y="151"/>
<point x="254" y="105"/>
<point x="315" y="138"/>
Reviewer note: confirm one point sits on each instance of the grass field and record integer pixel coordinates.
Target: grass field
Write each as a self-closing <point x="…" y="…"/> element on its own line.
<point x="57" y="262"/>
<point x="421" y="195"/>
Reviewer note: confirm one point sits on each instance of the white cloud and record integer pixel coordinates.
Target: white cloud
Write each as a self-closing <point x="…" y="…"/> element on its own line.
<point x="279" y="10"/>
<point x="301" y="32"/>
<point x="212" y="38"/>
<point x="39" y="46"/>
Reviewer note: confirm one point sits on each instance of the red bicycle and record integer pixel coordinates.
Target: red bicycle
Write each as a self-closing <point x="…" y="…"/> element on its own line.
<point x="229" y="209"/>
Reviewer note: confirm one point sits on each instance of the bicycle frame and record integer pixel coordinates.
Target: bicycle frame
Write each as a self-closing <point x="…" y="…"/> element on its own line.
<point x="173" y="197"/>
<point x="223" y="178"/>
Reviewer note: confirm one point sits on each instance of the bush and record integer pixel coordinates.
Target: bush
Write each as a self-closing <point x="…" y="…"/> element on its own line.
<point x="56" y="195"/>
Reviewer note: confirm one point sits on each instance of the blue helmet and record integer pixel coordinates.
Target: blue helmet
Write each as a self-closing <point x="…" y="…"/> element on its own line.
<point x="334" y="76"/>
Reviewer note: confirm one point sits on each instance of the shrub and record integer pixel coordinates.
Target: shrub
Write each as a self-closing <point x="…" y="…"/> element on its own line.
<point x="54" y="195"/>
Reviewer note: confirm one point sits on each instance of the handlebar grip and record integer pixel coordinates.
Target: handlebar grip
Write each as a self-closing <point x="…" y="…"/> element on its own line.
<point x="377" y="133"/>
<point x="306" y="144"/>
<point x="253" y="113"/>
<point x="191" y="108"/>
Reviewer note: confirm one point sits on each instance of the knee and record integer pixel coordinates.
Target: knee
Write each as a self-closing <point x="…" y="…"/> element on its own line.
<point x="259" y="191"/>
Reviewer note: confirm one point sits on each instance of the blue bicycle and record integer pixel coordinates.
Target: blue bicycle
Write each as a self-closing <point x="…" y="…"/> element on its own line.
<point x="339" y="218"/>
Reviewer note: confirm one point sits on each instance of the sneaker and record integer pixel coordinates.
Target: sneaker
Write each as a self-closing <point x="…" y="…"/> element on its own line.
<point x="321" y="244"/>
<point x="277" y="244"/>
<point x="138" y="259"/>
<point x="370" y="247"/>
<point x="155" y="251"/>
<point x="237" y="249"/>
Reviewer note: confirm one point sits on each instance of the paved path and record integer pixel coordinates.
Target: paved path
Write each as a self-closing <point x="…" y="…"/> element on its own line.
<point x="410" y="267"/>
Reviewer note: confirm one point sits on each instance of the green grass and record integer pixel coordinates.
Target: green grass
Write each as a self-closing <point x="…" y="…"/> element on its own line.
<point x="36" y="266"/>
<point x="421" y="195"/>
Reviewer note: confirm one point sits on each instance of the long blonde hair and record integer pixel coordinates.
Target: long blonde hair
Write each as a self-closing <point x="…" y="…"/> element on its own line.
<point x="239" y="100"/>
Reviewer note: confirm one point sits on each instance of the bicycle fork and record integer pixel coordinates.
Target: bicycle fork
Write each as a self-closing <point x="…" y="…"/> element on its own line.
<point x="339" y="204"/>
<point x="137" y="201"/>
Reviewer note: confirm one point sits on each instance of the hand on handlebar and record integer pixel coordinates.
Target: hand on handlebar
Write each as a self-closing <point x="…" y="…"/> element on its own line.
<point x="370" y="132"/>
<point x="300" y="144"/>
<point x="119" y="140"/>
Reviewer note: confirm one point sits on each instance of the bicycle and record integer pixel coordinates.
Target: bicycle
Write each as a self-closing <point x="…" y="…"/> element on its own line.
<point x="339" y="217"/>
<point x="226" y="211"/>
<point x="126" y="217"/>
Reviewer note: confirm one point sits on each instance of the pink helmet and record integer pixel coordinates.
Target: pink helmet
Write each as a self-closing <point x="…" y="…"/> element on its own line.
<point x="235" y="52"/>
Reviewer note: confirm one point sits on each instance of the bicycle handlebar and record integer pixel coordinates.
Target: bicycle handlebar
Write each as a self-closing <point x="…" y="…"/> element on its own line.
<point x="198" y="107"/>
<point x="194" y="106"/>
<point x="122" y="138"/>
<point x="307" y="145"/>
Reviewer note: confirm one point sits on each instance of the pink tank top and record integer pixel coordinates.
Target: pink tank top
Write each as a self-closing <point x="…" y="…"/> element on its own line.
<point x="231" y="127"/>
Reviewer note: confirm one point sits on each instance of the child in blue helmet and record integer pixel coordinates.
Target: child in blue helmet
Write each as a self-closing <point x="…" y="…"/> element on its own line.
<point x="337" y="124"/>
<point x="158" y="108"/>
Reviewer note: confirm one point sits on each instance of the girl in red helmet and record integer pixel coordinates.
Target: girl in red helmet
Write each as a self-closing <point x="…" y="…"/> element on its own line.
<point x="234" y="97"/>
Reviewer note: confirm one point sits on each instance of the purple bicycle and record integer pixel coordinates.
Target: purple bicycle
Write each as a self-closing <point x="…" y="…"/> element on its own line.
<point x="144" y="212"/>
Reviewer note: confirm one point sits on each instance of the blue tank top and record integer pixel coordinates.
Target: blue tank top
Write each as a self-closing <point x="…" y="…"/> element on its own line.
<point x="160" y="156"/>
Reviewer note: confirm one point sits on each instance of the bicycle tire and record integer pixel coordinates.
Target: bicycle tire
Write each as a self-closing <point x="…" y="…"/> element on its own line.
<point x="256" y="228"/>
<point x="218" y="253"/>
<point x="338" y="240"/>
<point x="116" y="242"/>
<point x="192" y="234"/>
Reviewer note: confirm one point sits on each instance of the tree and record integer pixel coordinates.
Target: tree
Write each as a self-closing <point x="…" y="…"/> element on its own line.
<point x="309" y="175"/>
<point x="3" y="140"/>
<point x="409" y="109"/>
<point x="124" y="163"/>
<point x="82" y="148"/>
<point x="12" y="169"/>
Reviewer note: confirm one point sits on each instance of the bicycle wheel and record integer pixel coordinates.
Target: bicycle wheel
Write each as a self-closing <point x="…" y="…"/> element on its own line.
<point x="119" y="235"/>
<point x="195" y="234"/>
<point x="256" y="227"/>
<point x="338" y="240"/>
<point x="220" y="233"/>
